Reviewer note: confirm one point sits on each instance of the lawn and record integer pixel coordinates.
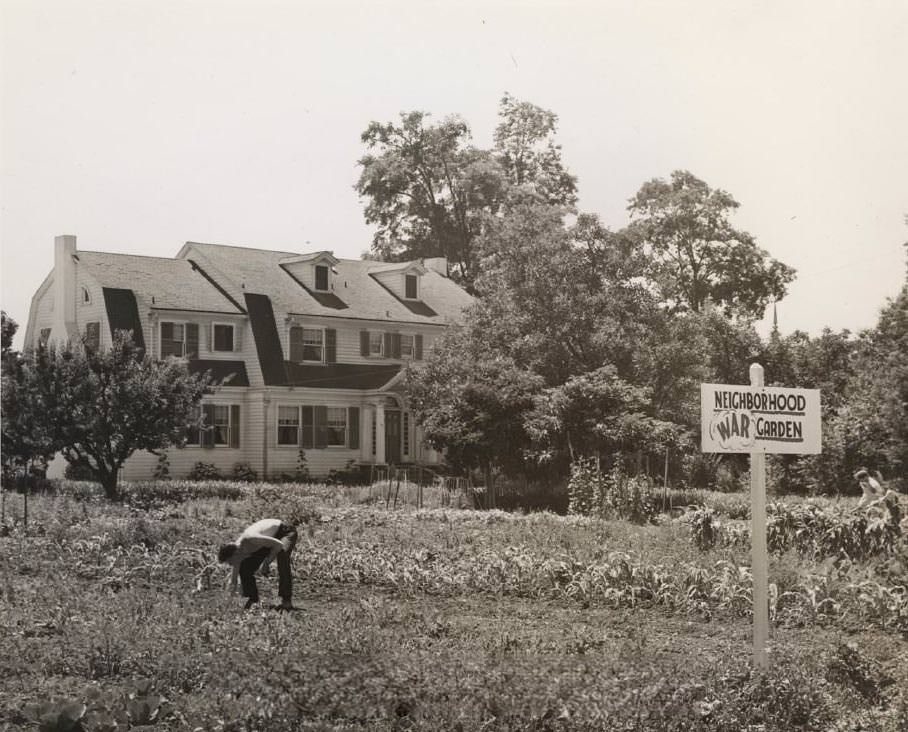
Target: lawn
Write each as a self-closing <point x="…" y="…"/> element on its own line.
<point x="440" y="618"/>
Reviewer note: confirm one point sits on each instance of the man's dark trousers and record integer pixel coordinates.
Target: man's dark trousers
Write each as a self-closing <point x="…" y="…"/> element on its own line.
<point x="250" y="565"/>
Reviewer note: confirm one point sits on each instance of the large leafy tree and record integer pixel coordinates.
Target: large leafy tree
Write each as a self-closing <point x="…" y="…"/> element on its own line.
<point x="473" y="406"/>
<point x="597" y="413"/>
<point x="698" y="255"/>
<point x="526" y="149"/>
<point x="8" y="328"/>
<point x="429" y="191"/>
<point x="560" y="301"/>
<point x="426" y="190"/>
<point x="99" y="407"/>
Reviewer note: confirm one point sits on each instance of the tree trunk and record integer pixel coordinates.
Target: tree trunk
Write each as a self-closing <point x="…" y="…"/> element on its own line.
<point x="108" y="480"/>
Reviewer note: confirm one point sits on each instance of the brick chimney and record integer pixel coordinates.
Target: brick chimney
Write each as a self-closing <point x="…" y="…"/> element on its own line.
<point x="64" y="324"/>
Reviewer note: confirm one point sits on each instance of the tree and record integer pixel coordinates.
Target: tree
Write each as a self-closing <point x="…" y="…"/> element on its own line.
<point x="430" y="191"/>
<point x="32" y="410"/>
<point x="697" y="254"/>
<point x="559" y="301"/>
<point x="473" y="406"/>
<point x="99" y="407"/>
<point x="427" y="189"/>
<point x="8" y="327"/>
<point x="597" y="413"/>
<point x="525" y="147"/>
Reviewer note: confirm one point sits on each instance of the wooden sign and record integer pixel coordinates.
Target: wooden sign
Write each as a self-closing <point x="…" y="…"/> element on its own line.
<point x="765" y="419"/>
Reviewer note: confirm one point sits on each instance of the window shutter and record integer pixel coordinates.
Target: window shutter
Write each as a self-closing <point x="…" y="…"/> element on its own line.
<point x="388" y="350"/>
<point x="192" y="340"/>
<point x="296" y="344"/>
<point x="307" y="434"/>
<point x="417" y="348"/>
<point x="330" y="345"/>
<point x="234" y="425"/>
<point x="395" y="345"/>
<point x="353" y="428"/>
<point x="321" y="427"/>
<point x="208" y="425"/>
<point x="364" y="343"/>
<point x="238" y="336"/>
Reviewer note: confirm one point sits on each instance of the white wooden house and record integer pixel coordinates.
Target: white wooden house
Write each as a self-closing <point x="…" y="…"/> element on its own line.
<point x="311" y="347"/>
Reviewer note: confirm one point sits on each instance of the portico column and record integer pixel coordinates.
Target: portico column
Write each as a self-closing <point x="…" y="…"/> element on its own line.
<point x="380" y="433"/>
<point x="366" y="433"/>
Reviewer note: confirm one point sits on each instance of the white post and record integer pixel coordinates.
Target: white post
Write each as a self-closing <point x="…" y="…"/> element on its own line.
<point x="380" y="433"/>
<point x="759" y="559"/>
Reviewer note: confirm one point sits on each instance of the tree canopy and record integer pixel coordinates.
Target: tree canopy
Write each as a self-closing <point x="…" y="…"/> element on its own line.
<point x="429" y="191"/>
<point x="697" y="255"/>
<point x="98" y="407"/>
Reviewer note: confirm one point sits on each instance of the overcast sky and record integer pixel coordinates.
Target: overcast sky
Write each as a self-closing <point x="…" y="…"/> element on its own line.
<point x="138" y="126"/>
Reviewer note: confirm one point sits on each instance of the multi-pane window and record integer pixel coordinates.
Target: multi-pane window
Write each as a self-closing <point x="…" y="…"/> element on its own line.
<point x="406" y="346"/>
<point x="376" y="343"/>
<point x="44" y="337"/>
<point x="336" y="427"/>
<point x="93" y="335"/>
<point x="221" y="425"/>
<point x="222" y="337"/>
<point x="173" y="339"/>
<point x="307" y="344"/>
<point x="321" y="277"/>
<point x="180" y="339"/>
<point x="288" y="426"/>
<point x="410" y="287"/>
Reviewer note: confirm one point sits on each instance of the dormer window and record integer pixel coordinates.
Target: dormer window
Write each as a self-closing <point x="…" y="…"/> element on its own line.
<point x="222" y="337"/>
<point x="321" y="277"/>
<point x="411" y="287"/>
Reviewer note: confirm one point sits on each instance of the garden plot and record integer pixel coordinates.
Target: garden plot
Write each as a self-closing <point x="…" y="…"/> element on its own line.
<point x="430" y="619"/>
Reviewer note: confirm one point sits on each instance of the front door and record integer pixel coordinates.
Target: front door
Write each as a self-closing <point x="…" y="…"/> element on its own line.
<point x="392" y="437"/>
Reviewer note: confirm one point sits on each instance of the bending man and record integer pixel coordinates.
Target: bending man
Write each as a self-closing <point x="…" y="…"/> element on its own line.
<point x="258" y="545"/>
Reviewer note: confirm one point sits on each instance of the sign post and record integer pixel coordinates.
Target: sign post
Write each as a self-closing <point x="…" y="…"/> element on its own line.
<point x="757" y="419"/>
<point x="759" y="558"/>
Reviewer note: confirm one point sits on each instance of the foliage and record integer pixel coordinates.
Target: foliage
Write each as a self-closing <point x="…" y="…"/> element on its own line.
<point x="99" y="407"/>
<point x="162" y="468"/>
<point x="526" y="151"/>
<point x="244" y="472"/>
<point x="204" y="471"/>
<point x="8" y="328"/>
<point x="698" y="256"/>
<point x="78" y="472"/>
<point x="811" y="530"/>
<point x="350" y="474"/>
<point x="430" y="192"/>
<point x="587" y="634"/>
<point x="597" y="413"/>
<point x="473" y="407"/>
<point x="610" y="495"/>
<point x="34" y="409"/>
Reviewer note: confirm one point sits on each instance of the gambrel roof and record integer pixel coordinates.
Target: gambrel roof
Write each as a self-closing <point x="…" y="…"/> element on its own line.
<point x="240" y="270"/>
<point x="175" y="284"/>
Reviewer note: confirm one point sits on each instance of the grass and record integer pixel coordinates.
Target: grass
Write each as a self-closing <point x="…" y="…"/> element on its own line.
<point x="433" y="619"/>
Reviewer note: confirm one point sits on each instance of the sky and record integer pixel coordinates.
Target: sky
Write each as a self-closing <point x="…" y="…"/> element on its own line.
<point x="137" y="126"/>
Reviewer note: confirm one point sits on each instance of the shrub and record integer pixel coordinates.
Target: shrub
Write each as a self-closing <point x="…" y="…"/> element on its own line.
<point x="244" y="472"/>
<point x="162" y="469"/>
<point x="350" y="474"/>
<point x="704" y="527"/>
<point x="204" y="471"/>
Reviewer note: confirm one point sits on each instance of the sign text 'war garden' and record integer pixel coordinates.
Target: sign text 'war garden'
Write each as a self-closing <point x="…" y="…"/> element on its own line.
<point x="760" y="419"/>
